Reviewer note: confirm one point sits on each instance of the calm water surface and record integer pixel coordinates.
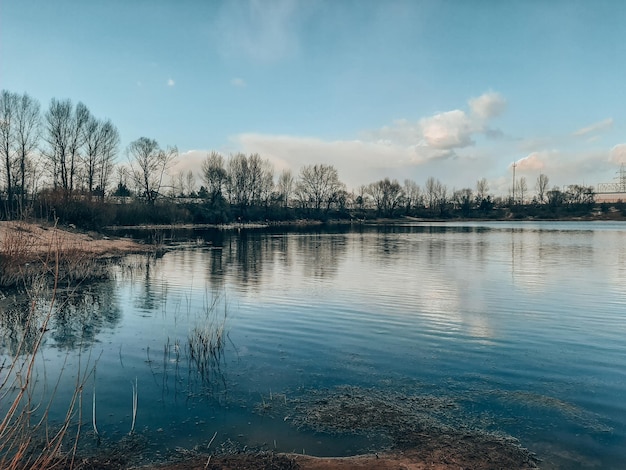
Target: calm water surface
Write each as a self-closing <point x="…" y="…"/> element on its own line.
<point x="522" y="324"/>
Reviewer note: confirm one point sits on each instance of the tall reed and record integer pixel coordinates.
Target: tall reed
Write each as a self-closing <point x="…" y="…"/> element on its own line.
<point x="27" y="438"/>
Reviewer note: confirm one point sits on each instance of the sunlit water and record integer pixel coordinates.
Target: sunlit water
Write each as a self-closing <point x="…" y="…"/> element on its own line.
<point x="522" y="324"/>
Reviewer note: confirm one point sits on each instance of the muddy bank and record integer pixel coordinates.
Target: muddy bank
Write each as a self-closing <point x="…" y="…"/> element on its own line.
<point x="30" y="251"/>
<point x="35" y="239"/>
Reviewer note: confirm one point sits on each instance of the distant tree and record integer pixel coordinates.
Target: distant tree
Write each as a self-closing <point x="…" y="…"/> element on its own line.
<point x="190" y="184"/>
<point x="177" y="188"/>
<point x="436" y="195"/>
<point x="441" y="197"/>
<point x="361" y="197"/>
<point x="261" y="180"/>
<point x="521" y="189"/>
<point x="463" y="199"/>
<point x="8" y="111"/>
<point x="541" y="186"/>
<point x="285" y="187"/>
<point x="122" y="188"/>
<point x="214" y="175"/>
<point x="412" y="195"/>
<point x="148" y="165"/>
<point x="101" y="140"/>
<point x="318" y="187"/>
<point x="482" y="190"/>
<point x="555" y="197"/>
<point x="108" y="154"/>
<point x="577" y="194"/>
<point x="250" y="181"/>
<point x="387" y="195"/>
<point x="20" y="122"/>
<point x="64" y="133"/>
<point x="431" y="191"/>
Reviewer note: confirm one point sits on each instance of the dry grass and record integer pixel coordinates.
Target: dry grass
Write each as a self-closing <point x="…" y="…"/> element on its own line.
<point x="27" y="439"/>
<point x="27" y="250"/>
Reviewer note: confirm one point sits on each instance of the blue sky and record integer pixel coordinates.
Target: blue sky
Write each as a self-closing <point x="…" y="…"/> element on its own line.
<point x="458" y="90"/>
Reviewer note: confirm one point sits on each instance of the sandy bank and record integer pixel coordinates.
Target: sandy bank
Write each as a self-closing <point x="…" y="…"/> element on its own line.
<point x="34" y="239"/>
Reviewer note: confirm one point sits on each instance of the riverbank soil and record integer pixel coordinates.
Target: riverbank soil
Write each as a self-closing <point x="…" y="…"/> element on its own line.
<point x="33" y="239"/>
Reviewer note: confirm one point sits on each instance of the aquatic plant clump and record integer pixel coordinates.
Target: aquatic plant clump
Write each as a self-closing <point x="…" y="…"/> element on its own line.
<point x="206" y="342"/>
<point x="417" y="424"/>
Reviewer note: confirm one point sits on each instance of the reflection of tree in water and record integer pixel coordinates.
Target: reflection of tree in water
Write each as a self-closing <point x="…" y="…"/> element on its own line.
<point x="80" y="315"/>
<point x="20" y="321"/>
<point x="144" y="272"/>
<point x="247" y="253"/>
<point x="323" y="252"/>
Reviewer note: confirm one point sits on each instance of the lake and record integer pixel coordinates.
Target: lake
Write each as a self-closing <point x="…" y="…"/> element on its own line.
<point x="517" y="329"/>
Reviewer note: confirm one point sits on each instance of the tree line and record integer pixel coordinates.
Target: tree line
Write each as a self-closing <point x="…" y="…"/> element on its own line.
<point x="61" y="163"/>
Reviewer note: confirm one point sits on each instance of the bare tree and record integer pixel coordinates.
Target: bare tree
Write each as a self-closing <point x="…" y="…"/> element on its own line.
<point x="361" y="198"/>
<point x="521" y="189"/>
<point x="8" y="110"/>
<point x="541" y="186"/>
<point x="285" y="187"/>
<point x="482" y="190"/>
<point x="65" y="137"/>
<point x="109" y="149"/>
<point x="441" y="196"/>
<point x="431" y="192"/>
<point x="214" y="175"/>
<point x="190" y="183"/>
<point x="318" y="186"/>
<point x="238" y="181"/>
<point x="412" y="195"/>
<point x="148" y="165"/>
<point x="386" y="194"/>
<point x="19" y="138"/>
<point x="28" y="126"/>
<point x="94" y="144"/>
<point x="462" y="199"/>
<point x="250" y="180"/>
<point x="177" y="185"/>
<point x="261" y="179"/>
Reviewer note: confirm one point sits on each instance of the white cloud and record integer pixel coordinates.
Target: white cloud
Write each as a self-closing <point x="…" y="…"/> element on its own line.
<point x="396" y="150"/>
<point x="533" y="162"/>
<point x="618" y="154"/>
<point x="593" y="128"/>
<point x="488" y="105"/>
<point x="238" y="82"/>
<point x="357" y="161"/>
<point x="171" y="82"/>
<point x="449" y="130"/>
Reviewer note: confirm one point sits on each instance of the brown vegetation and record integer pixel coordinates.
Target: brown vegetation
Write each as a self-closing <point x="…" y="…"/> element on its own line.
<point x="28" y="250"/>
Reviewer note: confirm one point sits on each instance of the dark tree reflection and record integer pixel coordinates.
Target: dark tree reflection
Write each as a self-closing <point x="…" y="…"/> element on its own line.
<point x="79" y="316"/>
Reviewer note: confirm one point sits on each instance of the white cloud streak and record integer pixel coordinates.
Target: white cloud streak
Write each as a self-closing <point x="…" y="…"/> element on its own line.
<point x="594" y="128"/>
<point x="171" y="82"/>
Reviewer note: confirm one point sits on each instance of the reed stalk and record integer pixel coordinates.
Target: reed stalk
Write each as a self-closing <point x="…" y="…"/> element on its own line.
<point x="135" y="396"/>
<point x="26" y="443"/>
